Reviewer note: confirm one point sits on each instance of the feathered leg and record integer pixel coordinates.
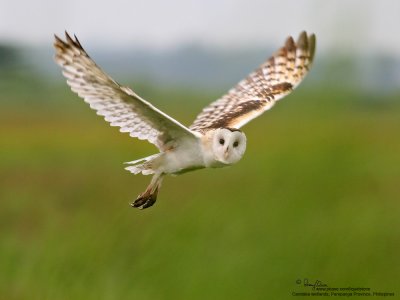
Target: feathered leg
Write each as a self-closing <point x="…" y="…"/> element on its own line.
<point x="149" y="196"/>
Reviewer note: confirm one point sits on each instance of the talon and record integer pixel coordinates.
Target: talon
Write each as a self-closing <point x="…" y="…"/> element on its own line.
<point x="149" y="202"/>
<point x="145" y="200"/>
<point x="139" y="201"/>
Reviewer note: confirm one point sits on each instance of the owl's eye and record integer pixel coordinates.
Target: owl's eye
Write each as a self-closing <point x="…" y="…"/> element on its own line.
<point x="221" y="141"/>
<point x="235" y="144"/>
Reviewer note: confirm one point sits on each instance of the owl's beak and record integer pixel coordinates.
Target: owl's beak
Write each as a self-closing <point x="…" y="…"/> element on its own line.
<point x="226" y="153"/>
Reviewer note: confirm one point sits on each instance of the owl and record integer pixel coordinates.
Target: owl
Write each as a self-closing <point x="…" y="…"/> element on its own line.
<point x="214" y="139"/>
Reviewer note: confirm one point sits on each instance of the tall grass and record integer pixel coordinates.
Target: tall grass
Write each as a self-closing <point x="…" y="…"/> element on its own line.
<point x="316" y="196"/>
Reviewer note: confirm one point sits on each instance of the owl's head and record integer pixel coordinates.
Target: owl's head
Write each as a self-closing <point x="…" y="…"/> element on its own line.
<point x="228" y="145"/>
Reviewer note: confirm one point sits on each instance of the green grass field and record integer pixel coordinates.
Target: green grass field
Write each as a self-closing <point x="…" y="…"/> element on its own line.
<point x="316" y="196"/>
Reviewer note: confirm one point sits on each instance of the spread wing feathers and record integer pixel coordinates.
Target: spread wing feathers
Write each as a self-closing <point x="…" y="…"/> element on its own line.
<point x="119" y="105"/>
<point x="273" y="80"/>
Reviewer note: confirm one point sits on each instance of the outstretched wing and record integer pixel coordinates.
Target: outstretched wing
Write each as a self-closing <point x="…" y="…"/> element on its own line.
<point x="119" y="105"/>
<point x="273" y="80"/>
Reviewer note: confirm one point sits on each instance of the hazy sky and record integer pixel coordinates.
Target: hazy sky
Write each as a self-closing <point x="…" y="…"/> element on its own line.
<point x="361" y="25"/>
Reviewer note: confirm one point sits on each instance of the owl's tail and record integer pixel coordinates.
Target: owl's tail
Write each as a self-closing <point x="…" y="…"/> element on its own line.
<point x="146" y="165"/>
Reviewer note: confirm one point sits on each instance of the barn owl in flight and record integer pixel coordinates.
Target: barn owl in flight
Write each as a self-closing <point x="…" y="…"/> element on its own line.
<point x="214" y="139"/>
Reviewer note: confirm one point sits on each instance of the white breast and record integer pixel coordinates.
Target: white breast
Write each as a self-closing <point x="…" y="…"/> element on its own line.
<point x="186" y="156"/>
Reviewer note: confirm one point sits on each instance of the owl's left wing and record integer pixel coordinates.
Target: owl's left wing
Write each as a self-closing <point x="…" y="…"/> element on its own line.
<point x="119" y="105"/>
<point x="272" y="81"/>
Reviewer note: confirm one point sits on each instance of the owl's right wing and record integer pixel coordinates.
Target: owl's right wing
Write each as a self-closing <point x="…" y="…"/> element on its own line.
<point x="252" y="96"/>
<point x="119" y="105"/>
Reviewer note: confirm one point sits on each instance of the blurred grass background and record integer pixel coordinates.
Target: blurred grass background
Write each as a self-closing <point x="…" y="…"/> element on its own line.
<point x="316" y="196"/>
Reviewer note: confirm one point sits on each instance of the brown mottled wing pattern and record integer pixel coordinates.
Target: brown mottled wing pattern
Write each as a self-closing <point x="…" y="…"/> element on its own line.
<point x="119" y="105"/>
<point x="273" y="80"/>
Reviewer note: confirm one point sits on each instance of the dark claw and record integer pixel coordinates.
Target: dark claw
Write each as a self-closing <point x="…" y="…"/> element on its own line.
<point x="139" y="202"/>
<point x="149" y="202"/>
<point x="145" y="200"/>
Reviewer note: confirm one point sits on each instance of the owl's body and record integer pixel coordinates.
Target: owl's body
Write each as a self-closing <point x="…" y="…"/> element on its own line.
<point x="214" y="139"/>
<point x="207" y="151"/>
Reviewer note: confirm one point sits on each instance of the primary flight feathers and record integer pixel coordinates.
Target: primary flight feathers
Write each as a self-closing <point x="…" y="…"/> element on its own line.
<point x="259" y="91"/>
<point x="122" y="107"/>
<point x="118" y="104"/>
